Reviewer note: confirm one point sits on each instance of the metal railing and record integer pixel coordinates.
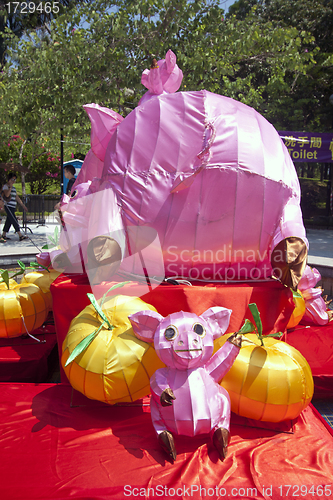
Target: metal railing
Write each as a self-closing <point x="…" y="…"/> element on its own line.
<point x="40" y="209"/>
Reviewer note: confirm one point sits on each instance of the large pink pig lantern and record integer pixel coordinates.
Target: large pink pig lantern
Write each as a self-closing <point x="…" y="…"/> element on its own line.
<point x="209" y="174"/>
<point x="185" y="396"/>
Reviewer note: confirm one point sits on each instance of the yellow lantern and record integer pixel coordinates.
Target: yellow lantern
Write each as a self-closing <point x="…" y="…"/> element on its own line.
<point x="43" y="279"/>
<point x="299" y="310"/>
<point x="271" y="382"/>
<point x="22" y="309"/>
<point x="11" y="282"/>
<point x="116" y="366"/>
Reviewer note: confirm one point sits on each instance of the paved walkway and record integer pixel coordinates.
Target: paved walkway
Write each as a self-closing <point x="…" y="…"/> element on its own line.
<point x="321" y="247"/>
<point x="24" y="250"/>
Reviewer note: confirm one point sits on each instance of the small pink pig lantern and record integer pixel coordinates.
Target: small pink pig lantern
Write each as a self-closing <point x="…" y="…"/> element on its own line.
<point x="185" y="396"/>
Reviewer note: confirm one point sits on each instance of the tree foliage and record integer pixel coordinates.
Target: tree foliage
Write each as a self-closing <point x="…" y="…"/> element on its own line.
<point x="44" y="168"/>
<point x="306" y="105"/>
<point x="273" y="55"/>
<point x="32" y="18"/>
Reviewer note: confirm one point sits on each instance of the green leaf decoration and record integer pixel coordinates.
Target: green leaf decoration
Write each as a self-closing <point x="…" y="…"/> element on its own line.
<point x="5" y="277"/>
<point x="296" y="294"/>
<point x="248" y="327"/>
<point x="256" y="316"/>
<point x="56" y="234"/>
<point x="277" y="334"/>
<point x="53" y="239"/>
<point x="113" y="288"/>
<point x="44" y="267"/>
<point x="22" y="265"/>
<point x="35" y="265"/>
<point x="99" y="309"/>
<point x="21" y="271"/>
<point x="83" y="345"/>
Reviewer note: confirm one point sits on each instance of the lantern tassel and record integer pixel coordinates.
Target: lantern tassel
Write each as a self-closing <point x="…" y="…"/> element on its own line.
<point x="26" y="329"/>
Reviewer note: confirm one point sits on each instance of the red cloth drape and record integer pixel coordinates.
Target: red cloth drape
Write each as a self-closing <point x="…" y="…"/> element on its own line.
<point x="316" y="345"/>
<point x="274" y="301"/>
<point x="23" y="359"/>
<point x="50" y="450"/>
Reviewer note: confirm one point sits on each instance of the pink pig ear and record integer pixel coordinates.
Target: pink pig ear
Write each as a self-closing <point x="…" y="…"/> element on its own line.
<point x="144" y="324"/>
<point x="218" y="319"/>
<point x="104" y="122"/>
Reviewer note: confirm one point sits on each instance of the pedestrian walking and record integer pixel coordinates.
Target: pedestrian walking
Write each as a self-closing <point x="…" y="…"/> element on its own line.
<point x="11" y="198"/>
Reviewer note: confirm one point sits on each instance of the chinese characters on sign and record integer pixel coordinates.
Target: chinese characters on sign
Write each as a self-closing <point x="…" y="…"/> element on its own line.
<point x="307" y="146"/>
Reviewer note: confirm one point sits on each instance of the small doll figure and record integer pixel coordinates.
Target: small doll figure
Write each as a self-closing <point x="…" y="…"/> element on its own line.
<point x="186" y="398"/>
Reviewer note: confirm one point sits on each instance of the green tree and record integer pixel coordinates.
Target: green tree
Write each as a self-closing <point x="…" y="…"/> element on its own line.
<point x="241" y="8"/>
<point x="96" y="53"/>
<point x="304" y="106"/>
<point x="36" y="15"/>
<point x="44" y="168"/>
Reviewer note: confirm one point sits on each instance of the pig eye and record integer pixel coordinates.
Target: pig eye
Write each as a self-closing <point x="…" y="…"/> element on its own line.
<point x="74" y="193"/>
<point x="170" y="333"/>
<point x="199" y="330"/>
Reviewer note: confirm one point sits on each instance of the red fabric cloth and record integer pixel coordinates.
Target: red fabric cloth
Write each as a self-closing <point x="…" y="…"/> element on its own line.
<point x="69" y="297"/>
<point x="316" y="345"/>
<point x="274" y="301"/>
<point x="51" y="450"/>
<point x="23" y="359"/>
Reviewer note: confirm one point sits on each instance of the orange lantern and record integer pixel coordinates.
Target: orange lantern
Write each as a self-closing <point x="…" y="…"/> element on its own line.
<point x="43" y="279"/>
<point x="299" y="310"/>
<point x="115" y="366"/>
<point x="271" y="382"/>
<point x="22" y="309"/>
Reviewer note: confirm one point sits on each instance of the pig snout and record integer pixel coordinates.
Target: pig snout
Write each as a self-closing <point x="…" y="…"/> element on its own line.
<point x="188" y="345"/>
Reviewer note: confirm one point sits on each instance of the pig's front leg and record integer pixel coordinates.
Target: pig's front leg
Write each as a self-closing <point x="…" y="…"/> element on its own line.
<point x="162" y="396"/>
<point x="221" y="362"/>
<point x="167" y="397"/>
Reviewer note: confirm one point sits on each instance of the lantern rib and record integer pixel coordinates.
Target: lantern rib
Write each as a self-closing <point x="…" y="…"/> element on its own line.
<point x="137" y="360"/>
<point x="299" y="366"/>
<point x="3" y="314"/>
<point x="69" y="370"/>
<point x="84" y="382"/>
<point x="267" y="386"/>
<point x="288" y="384"/>
<point x="242" y="385"/>
<point x="104" y="391"/>
<point x="35" y="315"/>
<point x="148" y="376"/>
<point x="140" y="360"/>
<point x="106" y="352"/>
<point x="19" y="307"/>
<point x="128" y="389"/>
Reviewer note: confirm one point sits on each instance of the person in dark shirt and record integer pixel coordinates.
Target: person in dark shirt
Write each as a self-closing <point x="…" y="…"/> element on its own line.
<point x="69" y="173"/>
